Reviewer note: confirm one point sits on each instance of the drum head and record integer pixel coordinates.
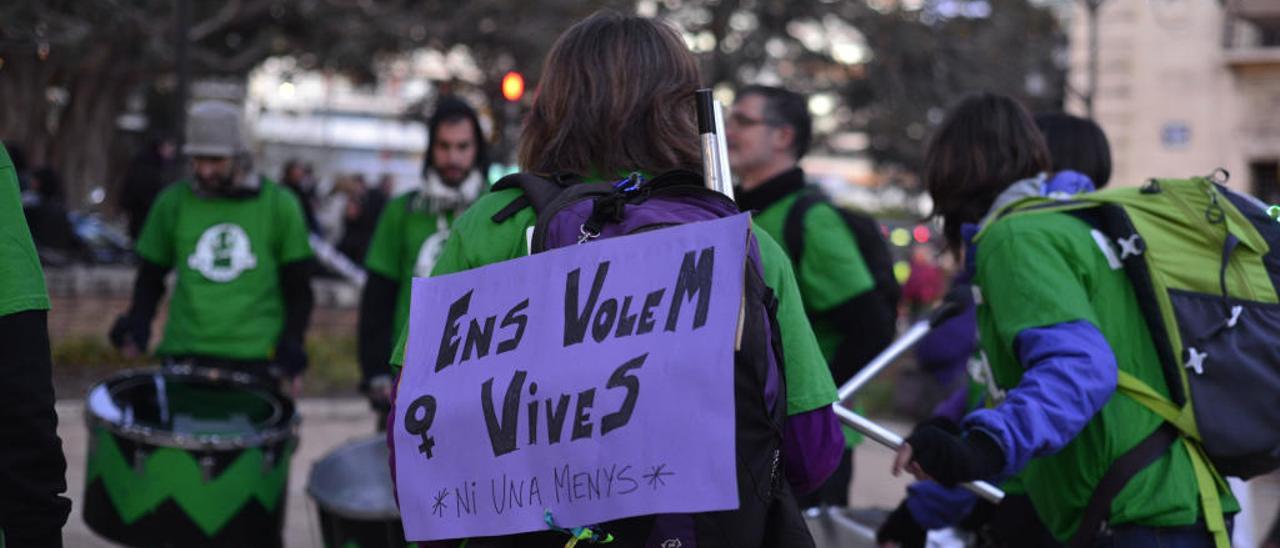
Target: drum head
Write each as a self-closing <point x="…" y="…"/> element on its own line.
<point x="354" y="481"/>
<point x="191" y="408"/>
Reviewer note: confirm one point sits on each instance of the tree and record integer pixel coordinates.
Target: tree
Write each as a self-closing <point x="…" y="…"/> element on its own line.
<point x="69" y="67"/>
<point x="918" y="62"/>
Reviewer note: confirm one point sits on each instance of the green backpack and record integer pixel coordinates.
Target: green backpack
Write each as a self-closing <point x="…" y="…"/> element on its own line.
<point x="1205" y="265"/>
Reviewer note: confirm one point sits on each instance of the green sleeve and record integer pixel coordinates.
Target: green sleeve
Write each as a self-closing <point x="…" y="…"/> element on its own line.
<point x="831" y="270"/>
<point x="155" y="242"/>
<point x="384" y="254"/>
<point x="1029" y="277"/>
<point x="809" y="382"/>
<point x="294" y="243"/>
<point x="397" y="355"/>
<point x="21" y="278"/>
<point x="487" y="243"/>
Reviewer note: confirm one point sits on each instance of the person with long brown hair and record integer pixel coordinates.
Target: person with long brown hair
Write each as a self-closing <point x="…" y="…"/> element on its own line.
<point x="1057" y="322"/>
<point x="616" y="100"/>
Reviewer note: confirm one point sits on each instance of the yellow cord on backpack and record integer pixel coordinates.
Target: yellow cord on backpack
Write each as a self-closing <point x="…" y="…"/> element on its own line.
<point x="1208" y="481"/>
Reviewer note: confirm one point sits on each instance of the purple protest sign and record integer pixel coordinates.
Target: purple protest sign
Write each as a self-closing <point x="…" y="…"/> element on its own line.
<point x="593" y="381"/>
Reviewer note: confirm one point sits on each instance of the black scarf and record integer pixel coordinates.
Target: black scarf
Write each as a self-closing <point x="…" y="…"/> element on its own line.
<point x="772" y="190"/>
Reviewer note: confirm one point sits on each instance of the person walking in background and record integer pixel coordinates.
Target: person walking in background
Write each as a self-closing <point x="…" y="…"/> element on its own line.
<point x="297" y="178"/>
<point x="1056" y="324"/>
<point x="411" y="233"/>
<point x="242" y="297"/>
<point x="768" y="132"/>
<point x="148" y="173"/>
<point x="1080" y="160"/>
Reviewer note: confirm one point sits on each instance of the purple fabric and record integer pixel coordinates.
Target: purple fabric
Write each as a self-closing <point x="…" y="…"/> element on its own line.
<point x="945" y="351"/>
<point x="956" y="404"/>
<point x="812" y="445"/>
<point x="565" y="228"/>
<point x="1068" y="182"/>
<point x="936" y="507"/>
<point x="1070" y="374"/>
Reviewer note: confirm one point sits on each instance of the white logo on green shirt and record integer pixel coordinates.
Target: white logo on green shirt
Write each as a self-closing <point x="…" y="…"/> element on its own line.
<point x="222" y="253"/>
<point x="429" y="253"/>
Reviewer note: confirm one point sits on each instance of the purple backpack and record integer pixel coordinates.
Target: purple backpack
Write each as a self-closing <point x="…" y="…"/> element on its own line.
<point x="572" y="212"/>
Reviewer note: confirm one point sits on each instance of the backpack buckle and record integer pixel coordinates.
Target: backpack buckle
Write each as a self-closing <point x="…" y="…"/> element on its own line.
<point x="1130" y="246"/>
<point x="585" y="234"/>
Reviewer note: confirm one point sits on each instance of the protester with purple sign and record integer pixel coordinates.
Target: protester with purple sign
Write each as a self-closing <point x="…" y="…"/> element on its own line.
<point x="616" y="104"/>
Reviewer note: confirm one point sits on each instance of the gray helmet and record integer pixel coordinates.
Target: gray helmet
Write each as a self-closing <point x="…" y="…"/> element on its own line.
<point x="213" y="129"/>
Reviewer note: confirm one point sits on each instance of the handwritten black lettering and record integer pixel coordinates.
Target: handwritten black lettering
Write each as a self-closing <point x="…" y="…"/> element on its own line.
<point x="449" y="340"/>
<point x="582" y="417"/>
<point x="515" y="317"/>
<point x="502" y="435"/>
<point x="620" y="379"/>
<point x="626" y="320"/>
<point x="555" y="419"/>
<point x="478" y="338"/>
<point x="693" y="280"/>
<point x="651" y="301"/>
<point x="605" y="316"/>
<point x="577" y="318"/>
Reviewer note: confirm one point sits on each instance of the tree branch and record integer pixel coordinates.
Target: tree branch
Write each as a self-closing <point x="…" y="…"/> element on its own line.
<point x="225" y="16"/>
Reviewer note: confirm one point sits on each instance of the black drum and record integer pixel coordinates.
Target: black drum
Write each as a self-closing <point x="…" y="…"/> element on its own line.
<point x="353" y="493"/>
<point x="188" y="457"/>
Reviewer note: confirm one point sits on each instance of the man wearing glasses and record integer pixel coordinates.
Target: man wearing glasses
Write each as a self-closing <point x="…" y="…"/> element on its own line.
<point x="768" y="131"/>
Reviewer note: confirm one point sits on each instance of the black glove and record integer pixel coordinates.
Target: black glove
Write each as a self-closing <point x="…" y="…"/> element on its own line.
<point x="128" y="329"/>
<point x="291" y="358"/>
<point x="901" y="527"/>
<point x="951" y="456"/>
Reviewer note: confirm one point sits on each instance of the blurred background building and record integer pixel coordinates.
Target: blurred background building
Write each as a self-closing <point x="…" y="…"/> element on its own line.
<point x="1186" y="86"/>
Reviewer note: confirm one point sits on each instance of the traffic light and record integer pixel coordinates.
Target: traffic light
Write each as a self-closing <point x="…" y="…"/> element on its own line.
<point x="513" y="86"/>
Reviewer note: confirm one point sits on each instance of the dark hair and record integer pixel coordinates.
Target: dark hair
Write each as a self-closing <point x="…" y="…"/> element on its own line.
<point x="451" y="109"/>
<point x="986" y="143"/>
<point x="616" y="95"/>
<point x="786" y="107"/>
<point x="1077" y="144"/>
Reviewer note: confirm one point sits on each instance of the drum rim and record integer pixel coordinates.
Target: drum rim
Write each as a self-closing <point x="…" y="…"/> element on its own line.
<point x="285" y="430"/>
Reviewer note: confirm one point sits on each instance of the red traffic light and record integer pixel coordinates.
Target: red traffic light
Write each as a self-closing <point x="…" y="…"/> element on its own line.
<point x="513" y="86"/>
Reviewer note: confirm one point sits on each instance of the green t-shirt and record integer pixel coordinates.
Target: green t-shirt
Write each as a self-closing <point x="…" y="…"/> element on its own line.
<point x="830" y="273"/>
<point x="21" y="278"/>
<point x="831" y="270"/>
<point x="477" y="241"/>
<point x="405" y="245"/>
<point x="1041" y="269"/>
<point x="227" y="301"/>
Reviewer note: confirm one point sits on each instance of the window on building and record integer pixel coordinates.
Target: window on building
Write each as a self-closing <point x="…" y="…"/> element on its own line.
<point x="1264" y="176"/>
<point x="1269" y="36"/>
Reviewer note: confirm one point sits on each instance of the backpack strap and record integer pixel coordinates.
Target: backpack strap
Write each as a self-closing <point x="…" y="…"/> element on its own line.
<point x="1112" y="221"/>
<point x="537" y="193"/>
<point x="1094" y="519"/>
<point x="793" y="226"/>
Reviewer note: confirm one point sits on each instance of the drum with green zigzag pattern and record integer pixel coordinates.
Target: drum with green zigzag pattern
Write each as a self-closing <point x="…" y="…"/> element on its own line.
<point x="188" y="457"/>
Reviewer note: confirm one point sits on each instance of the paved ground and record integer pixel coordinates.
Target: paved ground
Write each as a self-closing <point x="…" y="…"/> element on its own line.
<point x="329" y="423"/>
